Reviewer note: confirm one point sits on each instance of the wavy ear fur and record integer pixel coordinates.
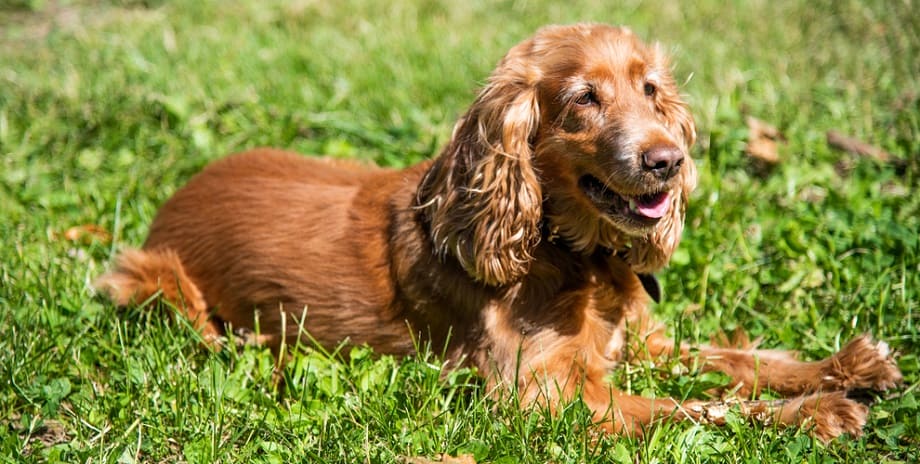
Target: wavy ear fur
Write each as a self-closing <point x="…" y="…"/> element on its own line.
<point x="481" y="197"/>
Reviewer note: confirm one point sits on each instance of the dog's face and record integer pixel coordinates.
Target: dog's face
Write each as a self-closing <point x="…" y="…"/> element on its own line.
<point x="581" y="129"/>
<point x="606" y="120"/>
<point x="612" y="145"/>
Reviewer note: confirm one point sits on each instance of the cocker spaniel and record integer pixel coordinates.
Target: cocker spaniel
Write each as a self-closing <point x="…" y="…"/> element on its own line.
<point x="525" y="249"/>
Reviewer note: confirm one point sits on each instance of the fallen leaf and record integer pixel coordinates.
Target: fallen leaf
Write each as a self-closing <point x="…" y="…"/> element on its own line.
<point x="763" y="150"/>
<point x="87" y="233"/>
<point x="762" y="142"/>
<point x="444" y="459"/>
<point x="856" y="146"/>
<point x="761" y="129"/>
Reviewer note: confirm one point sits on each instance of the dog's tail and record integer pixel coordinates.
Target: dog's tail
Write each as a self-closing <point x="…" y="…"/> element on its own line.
<point x="140" y="275"/>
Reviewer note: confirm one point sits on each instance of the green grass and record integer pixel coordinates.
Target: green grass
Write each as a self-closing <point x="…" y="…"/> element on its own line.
<point x="107" y="107"/>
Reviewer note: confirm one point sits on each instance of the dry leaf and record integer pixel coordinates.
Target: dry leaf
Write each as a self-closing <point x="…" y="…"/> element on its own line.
<point x="856" y="146"/>
<point x="461" y="459"/>
<point x="761" y="129"/>
<point x="763" y="150"/>
<point x="87" y="233"/>
<point x="762" y="142"/>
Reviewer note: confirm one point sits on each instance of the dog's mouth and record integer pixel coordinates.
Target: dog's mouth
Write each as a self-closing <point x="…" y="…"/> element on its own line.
<point x="640" y="210"/>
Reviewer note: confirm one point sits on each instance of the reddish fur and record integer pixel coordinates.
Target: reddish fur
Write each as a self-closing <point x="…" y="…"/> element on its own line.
<point x="492" y="251"/>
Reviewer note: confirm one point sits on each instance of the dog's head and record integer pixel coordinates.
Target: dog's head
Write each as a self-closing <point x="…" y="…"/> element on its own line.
<point x="580" y="133"/>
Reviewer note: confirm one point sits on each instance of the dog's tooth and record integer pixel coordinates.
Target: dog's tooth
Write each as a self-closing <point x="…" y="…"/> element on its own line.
<point x="632" y="205"/>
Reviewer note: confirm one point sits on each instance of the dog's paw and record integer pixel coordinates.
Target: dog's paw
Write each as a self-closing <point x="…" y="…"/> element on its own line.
<point x="832" y="414"/>
<point x="827" y="415"/>
<point x="863" y="364"/>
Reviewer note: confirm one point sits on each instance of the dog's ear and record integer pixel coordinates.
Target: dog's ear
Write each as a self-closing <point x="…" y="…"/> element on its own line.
<point x="481" y="197"/>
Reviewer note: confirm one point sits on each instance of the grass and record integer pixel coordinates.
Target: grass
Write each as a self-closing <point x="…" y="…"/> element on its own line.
<point x="107" y="107"/>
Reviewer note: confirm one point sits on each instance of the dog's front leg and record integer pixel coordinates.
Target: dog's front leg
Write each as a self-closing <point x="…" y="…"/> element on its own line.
<point x="861" y="365"/>
<point x="827" y="415"/>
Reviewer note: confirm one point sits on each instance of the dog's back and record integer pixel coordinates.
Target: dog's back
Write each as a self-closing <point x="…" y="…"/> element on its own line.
<point x="272" y="230"/>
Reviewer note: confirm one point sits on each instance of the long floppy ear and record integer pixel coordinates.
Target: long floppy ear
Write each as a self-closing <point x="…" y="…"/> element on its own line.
<point x="481" y="197"/>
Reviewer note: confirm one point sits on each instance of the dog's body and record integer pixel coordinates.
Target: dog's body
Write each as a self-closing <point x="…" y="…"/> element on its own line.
<point x="518" y="250"/>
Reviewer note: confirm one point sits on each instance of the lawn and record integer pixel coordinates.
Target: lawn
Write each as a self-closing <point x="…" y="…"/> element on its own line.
<point x="106" y="108"/>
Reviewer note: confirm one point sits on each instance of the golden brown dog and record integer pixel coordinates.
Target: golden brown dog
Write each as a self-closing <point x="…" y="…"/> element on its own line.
<point x="524" y="249"/>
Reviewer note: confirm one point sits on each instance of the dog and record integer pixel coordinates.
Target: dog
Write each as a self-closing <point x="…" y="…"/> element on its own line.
<point x="525" y="249"/>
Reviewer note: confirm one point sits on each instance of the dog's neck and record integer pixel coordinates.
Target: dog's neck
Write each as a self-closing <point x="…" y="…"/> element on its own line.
<point x="649" y="282"/>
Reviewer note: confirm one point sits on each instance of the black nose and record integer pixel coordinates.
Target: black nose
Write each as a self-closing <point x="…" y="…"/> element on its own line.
<point x="663" y="160"/>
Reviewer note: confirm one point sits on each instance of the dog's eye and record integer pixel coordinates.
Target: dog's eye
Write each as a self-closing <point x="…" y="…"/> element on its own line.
<point x="650" y="89"/>
<point x="586" y="98"/>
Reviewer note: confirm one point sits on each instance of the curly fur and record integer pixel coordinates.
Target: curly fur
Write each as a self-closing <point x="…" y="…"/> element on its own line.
<point x="482" y="197"/>
<point x="515" y="251"/>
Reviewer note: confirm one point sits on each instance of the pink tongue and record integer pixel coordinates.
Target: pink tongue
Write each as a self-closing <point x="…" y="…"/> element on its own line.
<point x="654" y="207"/>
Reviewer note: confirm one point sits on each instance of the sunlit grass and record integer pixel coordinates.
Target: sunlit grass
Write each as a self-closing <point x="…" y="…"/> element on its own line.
<point x="107" y="107"/>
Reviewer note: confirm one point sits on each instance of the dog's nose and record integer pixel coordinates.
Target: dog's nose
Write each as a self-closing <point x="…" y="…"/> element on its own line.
<point x="663" y="160"/>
